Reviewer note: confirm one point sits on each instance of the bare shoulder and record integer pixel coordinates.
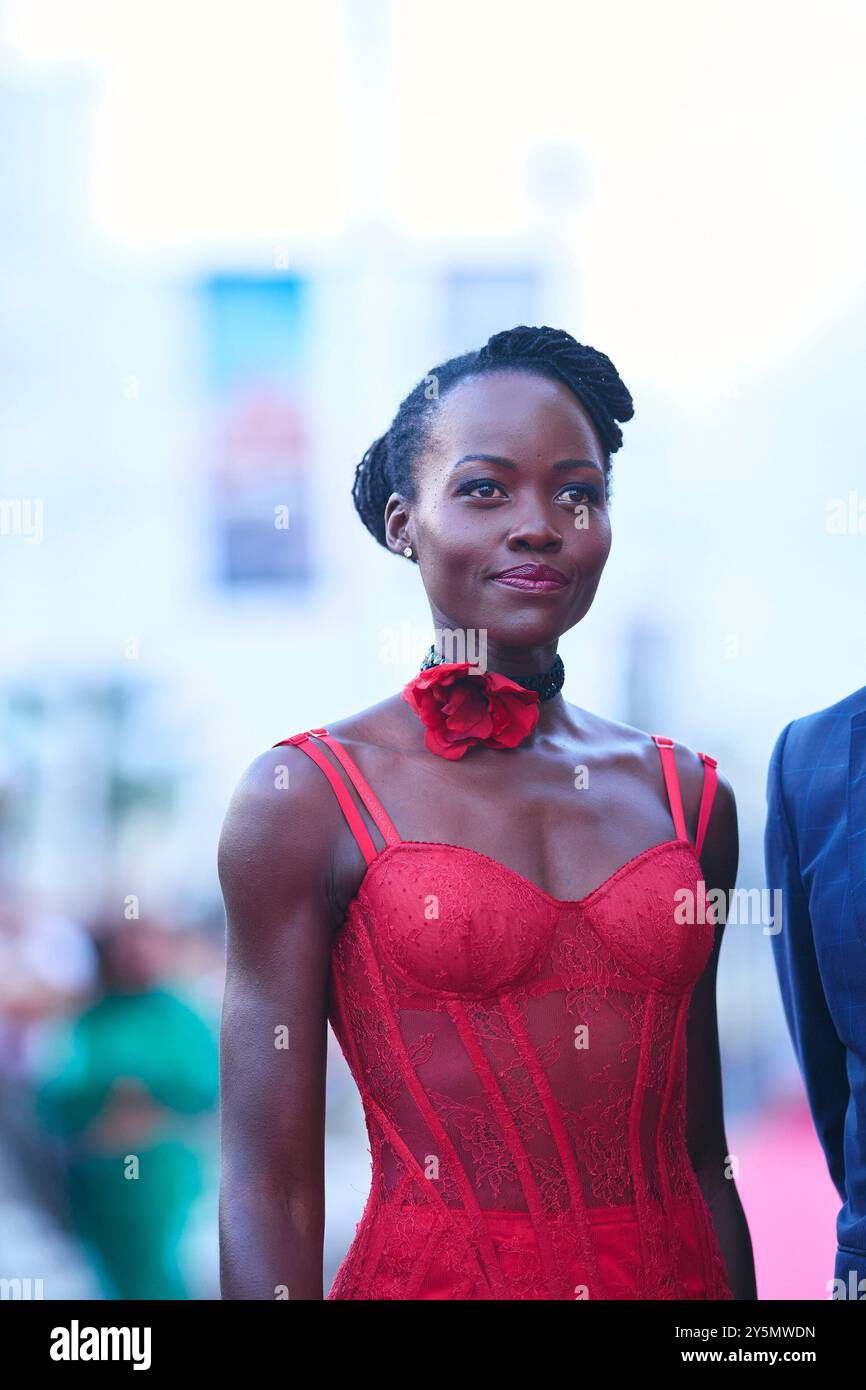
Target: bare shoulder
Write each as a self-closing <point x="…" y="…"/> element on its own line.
<point x="634" y="748"/>
<point x="389" y="724"/>
<point x="279" y="829"/>
<point x="283" y="817"/>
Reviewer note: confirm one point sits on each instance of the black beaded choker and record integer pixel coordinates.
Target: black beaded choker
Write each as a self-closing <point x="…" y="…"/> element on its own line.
<point x="548" y="684"/>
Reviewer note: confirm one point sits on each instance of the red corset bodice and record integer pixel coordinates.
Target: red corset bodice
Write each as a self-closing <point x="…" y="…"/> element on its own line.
<point x="522" y="1066"/>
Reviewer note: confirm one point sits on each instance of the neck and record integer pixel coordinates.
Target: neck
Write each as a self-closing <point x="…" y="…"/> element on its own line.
<point x="553" y="716"/>
<point x="517" y="663"/>
<point x="472" y="644"/>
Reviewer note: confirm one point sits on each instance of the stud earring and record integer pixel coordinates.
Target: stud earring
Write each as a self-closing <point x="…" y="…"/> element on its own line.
<point x="407" y="551"/>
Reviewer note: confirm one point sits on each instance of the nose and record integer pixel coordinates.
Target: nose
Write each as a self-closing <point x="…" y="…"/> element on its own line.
<point x="535" y="533"/>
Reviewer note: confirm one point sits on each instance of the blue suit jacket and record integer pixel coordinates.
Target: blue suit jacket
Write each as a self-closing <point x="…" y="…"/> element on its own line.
<point x="815" y="852"/>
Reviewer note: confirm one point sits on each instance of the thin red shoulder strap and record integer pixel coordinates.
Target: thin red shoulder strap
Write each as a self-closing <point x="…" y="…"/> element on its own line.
<point x="708" y="790"/>
<point x="711" y="781"/>
<point x="308" y="743"/>
<point x="672" y="782"/>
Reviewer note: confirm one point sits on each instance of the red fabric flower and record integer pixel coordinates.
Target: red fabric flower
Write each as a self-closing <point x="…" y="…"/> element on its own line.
<point x="462" y="706"/>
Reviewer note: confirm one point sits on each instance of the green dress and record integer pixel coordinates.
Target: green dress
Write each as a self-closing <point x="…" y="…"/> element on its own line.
<point x="129" y="1200"/>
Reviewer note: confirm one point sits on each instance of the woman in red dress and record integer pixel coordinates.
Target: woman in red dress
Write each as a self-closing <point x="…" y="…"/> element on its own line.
<point x="497" y="900"/>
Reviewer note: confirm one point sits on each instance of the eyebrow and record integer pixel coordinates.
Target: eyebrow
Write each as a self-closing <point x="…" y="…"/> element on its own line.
<point x="561" y="466"/>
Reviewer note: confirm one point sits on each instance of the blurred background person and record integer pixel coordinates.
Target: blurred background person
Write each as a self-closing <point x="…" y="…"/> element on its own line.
<point x="127" y="1077"/>
<point x="48" y="967"/>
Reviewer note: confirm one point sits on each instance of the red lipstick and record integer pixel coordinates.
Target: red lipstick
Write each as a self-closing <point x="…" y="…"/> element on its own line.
<point x="532" y="578"/>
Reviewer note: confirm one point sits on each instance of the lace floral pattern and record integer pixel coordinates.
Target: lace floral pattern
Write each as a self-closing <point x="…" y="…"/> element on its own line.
<point x="523" y="1076"/>
<point x="521" y="1062"/>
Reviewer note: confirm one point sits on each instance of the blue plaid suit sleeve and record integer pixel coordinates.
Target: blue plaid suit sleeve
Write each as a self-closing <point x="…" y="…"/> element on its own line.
<point x="819" y="1049"/>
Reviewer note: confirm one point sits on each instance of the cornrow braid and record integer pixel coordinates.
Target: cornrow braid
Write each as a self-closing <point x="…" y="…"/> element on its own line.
<point x="372" y="487"/>
<point x="388" y="465"/>
<point x="587" y="372"/>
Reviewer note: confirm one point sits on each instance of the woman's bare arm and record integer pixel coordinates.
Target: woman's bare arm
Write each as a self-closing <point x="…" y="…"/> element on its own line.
<point x="705" y="1121"/>
<point x="275" y="858"/>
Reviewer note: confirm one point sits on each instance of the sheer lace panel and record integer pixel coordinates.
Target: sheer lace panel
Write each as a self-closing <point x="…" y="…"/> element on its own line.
<point x="521" y="1062"/>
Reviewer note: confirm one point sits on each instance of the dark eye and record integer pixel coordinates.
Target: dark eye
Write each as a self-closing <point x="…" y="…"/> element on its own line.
<point x="587" y="491"/>
<point x="472" y="484"/>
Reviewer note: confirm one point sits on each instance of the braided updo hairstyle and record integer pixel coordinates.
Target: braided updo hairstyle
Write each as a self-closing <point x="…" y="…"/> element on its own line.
<point x="388" y="465"/>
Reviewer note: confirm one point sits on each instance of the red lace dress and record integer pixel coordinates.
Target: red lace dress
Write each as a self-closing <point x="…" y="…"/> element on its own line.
<point x="521" y="1062"/>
